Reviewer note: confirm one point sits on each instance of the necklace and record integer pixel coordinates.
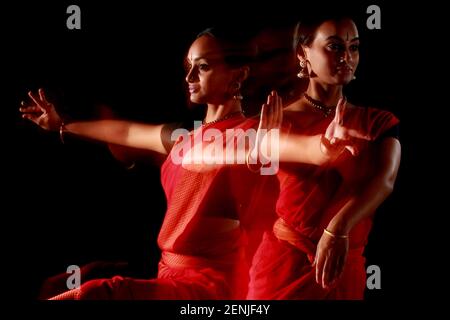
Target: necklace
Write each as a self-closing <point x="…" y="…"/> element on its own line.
<point x="228" y="116"/>
<point x="319" y="105"/>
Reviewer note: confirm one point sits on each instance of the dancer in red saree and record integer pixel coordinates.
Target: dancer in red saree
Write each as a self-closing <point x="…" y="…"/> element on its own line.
<point x="201" y="238"/>
<point x="315" y="250"/>
<point x="215" y="214"/>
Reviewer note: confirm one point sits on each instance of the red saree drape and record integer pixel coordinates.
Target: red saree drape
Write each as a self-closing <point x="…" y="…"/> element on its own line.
<point x="208" y="234"/>
<point x="309" y="198"/>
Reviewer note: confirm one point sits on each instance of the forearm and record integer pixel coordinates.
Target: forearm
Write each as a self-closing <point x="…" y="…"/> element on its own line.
<point x="120" y="132"/>
<point x="360" y="206"/>
<point x="374" y="192"/>
<point x="303" y="149"/>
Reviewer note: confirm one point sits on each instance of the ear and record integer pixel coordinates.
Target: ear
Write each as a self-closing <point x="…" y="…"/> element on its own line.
<point x="301" y="53"/>
<point x="242" y="74"/>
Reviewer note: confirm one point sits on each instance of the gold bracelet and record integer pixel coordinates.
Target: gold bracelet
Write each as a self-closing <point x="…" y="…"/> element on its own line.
<point x="335" y="235"/>
<point x="131" y="166"/>
<point x="62" y="128"/>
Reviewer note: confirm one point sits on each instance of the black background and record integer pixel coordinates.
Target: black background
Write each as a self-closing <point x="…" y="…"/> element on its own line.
<point x="73" y="203"/>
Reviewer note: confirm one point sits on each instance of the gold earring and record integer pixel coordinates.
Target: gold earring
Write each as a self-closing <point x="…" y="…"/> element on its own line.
<point x="237" y="95"/>
<point x="303" y="74"/>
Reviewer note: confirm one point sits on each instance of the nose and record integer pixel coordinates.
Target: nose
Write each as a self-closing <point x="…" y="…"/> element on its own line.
<point x="346" y="57"/>
<point x="190" y="77"/>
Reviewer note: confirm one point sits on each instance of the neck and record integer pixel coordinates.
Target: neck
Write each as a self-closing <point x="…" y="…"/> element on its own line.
<point x="329" y="95"/>
<point x="219" y="111"/>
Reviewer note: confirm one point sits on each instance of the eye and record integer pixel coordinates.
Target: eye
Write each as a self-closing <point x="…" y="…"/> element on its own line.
<point x="335" y="47"/>
<point x="354" y="47"/>
<point x="203" y="67"/>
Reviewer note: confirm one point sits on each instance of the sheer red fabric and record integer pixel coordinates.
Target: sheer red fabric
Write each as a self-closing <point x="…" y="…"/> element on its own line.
<point x="309" y="198"/>
<point x="209" y="232"/>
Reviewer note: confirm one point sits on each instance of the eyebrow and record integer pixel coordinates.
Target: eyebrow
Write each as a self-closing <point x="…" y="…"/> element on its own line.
<point x="340" y="39"/>
<point x="200" y="58"/>
<point x="211" y="56"/>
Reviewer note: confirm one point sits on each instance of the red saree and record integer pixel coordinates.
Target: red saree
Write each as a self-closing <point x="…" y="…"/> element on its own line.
<point x="309" y="198"/>
<point x="205" y="233"/>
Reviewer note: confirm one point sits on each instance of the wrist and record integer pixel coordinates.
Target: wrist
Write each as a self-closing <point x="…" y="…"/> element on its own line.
<point x="335" y="235"/>
<point x="252" y="161"/>
<point x="328" y="149"/>
<point x="339" y="229"/>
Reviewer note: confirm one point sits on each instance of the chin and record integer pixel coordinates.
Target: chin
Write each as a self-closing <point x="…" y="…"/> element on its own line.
<point x="197" y="101"/>
<point x="342" y="81"/>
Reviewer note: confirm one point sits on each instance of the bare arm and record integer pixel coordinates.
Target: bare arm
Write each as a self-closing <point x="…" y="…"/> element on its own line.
<point x="303" y="149"/>
<point x="333" y="246"/>
<point x="318" y="149"/>
<point x="375" y="191"/>
<point x="125" y="133"/>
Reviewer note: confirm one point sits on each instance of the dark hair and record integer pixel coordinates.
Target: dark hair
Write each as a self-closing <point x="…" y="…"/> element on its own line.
<point x="306" y="28"/>
<point x="237" y="45"/>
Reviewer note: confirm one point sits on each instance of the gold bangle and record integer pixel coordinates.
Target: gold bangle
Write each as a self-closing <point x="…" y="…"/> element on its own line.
<point x="62" y="128"/>
<point x="339" y="236"/>
<point x="131" y="166"/>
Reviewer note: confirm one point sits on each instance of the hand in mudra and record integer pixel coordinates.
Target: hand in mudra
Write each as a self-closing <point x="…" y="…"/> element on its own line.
<point x="270" y="121"/>
<point x="339" y="137"/>
<point x="41" y="112"/>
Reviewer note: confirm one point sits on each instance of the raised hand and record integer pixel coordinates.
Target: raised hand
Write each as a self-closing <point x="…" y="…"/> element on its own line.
<point x="271" y="119"/>
<point x="338" y="137"/>
<point x="41" y="112"/>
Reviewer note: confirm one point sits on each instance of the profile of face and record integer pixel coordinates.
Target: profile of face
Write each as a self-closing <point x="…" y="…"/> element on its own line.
<point x="333" y="55"/>
<point x="209" y="78"/>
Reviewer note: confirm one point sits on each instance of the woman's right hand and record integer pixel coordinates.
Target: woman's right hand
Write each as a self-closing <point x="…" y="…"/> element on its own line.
<point x="41" y="112"/>
<point x="338" y="136"/>
<point x="271" y="119"/>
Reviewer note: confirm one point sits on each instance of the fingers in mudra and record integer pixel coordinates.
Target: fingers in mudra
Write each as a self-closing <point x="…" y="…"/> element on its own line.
<point x="30" y="110"/>
<point x="40" y="111"/>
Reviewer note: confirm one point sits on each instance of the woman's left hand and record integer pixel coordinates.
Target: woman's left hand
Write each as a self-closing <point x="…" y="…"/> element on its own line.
<point x="331" y="254"/>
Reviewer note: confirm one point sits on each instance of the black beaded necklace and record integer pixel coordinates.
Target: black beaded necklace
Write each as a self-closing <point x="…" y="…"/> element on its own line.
<point x="228" y="116"/>
<point x="327" y="110"/>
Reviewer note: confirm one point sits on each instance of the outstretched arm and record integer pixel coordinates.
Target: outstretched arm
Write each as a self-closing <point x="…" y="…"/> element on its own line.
<point x="333" y="245"/>
<point x="316" y="149"/>
<point x="126" y="133"/>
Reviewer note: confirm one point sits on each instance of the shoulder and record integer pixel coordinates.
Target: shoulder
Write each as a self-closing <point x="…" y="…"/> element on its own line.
<point x="373" y="113"/>
<point x="377" y="121"/>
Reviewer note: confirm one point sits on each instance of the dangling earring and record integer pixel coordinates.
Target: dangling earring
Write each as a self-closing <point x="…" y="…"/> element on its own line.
<point x="354" y="77"/>
<point x="237" y="95"/>
<point x="303" y="74"/>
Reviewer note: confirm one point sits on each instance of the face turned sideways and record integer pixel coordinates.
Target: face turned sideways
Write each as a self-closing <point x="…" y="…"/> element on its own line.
<point x="209" y="78"/>
<point x="333" y="55"/>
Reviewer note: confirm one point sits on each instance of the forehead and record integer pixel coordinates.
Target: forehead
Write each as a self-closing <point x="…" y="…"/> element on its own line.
<point x="344" y="29"/>
<point x="205" y="47"/>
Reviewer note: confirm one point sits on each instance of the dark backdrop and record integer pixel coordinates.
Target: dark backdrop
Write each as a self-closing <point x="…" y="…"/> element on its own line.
<point x="74" y="203"/>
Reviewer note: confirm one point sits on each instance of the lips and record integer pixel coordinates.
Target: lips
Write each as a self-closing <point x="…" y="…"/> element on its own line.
<point x="193" y="89"/>
<point x="345" y="69"/>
